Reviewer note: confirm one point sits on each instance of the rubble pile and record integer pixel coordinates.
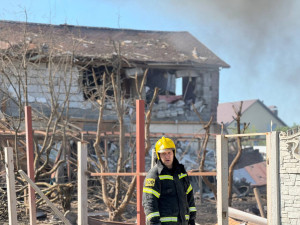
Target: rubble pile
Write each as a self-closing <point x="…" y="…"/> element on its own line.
<point x="172" y="106"/>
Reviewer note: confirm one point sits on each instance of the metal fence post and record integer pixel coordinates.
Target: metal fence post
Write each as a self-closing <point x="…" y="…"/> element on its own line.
<point x="30" y="163"/>
<point x="140" y="157"/>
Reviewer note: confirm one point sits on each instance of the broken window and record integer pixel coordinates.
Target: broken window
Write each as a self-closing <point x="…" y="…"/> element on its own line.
<point x="164" y="80"/>
<point x="178" y="88"/>
<point x="191" y="84"/>
<point x="170" y="83"/>
<point x="188" y="88"/>
<point x="185" y="83"/>
<point x="89" y="85"/>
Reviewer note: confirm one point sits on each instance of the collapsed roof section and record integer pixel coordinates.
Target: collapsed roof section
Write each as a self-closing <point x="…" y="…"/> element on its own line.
<point x="151" y="48"/>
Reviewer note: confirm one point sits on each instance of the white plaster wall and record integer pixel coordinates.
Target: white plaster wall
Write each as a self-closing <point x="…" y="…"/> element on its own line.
<point x="176" y="128"/>
<point x="39" y="88"/>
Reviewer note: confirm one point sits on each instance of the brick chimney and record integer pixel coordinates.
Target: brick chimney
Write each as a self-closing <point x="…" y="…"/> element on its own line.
<point x="274" y="109"/>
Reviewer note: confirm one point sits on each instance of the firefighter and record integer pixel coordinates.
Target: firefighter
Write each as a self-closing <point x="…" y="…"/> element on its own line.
<point x="167" y="194"/>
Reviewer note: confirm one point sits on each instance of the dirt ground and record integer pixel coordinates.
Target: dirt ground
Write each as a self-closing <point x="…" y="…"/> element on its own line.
<point x="206" y="211"/>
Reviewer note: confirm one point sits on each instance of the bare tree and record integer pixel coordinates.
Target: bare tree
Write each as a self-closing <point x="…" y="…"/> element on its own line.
<point x="149" y="111"/>
<point x="238" y="113"/>
<point x="115" y="195"/>
<point x="27" y="66"/>
<point x="202" y="149"/>
<point x="115" y="202"/>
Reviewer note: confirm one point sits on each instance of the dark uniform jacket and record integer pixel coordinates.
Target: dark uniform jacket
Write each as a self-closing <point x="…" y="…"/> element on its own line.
<point x="168" y="196"/>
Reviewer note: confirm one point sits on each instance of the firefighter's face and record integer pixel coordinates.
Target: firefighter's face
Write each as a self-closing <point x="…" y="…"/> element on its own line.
<point x="167" y="158"/>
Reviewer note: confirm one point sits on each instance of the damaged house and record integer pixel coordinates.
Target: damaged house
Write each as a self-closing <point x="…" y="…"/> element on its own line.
<point x="184" y="70"/>
<point x="74" y="76"/>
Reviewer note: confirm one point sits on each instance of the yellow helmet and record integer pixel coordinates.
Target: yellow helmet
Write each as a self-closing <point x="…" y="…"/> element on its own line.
<point x="162" y="144"/>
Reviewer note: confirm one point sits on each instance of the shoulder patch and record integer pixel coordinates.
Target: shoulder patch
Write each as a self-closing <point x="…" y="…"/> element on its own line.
<point x="150" y="182"/>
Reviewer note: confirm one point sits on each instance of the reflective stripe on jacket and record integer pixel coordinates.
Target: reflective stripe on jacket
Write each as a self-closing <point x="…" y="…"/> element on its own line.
<point x="168" y="195"/>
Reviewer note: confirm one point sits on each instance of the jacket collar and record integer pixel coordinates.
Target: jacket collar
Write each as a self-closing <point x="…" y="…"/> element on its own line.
<point x="161" y="166"/>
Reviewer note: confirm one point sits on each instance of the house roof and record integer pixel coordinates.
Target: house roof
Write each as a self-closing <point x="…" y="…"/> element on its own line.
<point x="225" y="112"/>
<point x="254" y="174"/>
<point x="179" y="48"/>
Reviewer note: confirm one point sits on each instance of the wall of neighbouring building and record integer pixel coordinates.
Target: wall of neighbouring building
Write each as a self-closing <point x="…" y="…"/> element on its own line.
<point x="289" y="175"/>
<point x="260" y="119"/>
